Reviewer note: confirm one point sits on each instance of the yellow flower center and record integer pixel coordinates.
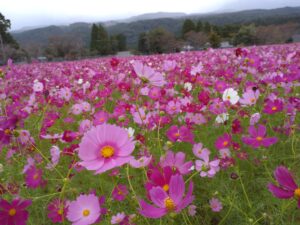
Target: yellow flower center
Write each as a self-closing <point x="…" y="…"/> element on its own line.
<point x="12" y="212"/>
<point x="101" y="119"/>
<point x="225" y="143"/>
<point x="252" y="100"/>
<point x="169" y="204"/>
<point x="259" y="138"/>
<point x="274" y="108"/>
<point x="297" y="193"/>
<point x="166" y="187"/>
<point x="120" y="193"/>
<point x="176" y="134"/>
<point x="36" y="176"/>
<point x="107" y="151"/>
<point x="228" y="97"/>
<point x="86" y="212"/>
<point x="7" y="132"/>
<point x="60" y="211"/>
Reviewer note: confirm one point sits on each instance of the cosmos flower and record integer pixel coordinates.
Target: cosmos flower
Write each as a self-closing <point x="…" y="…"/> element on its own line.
<point x="148" y="75"/>
<point x="215" y="205"/>
<point x="287" y="187"/>
<point x="180" y="134"/>
<point x="223" y="141"/>
<point x="231" y="95"/>
<point x="120" y="192"/>
<point x="249" y="97"/>
<point x="57" y="210"/>
<point x="14" y="213"/>
<point x="100" y="117"/>
<point x="205" y="167"/>
<point x="105" y="147"/>
<point x="118" y="218"/>
<point x="173" y="201"/>
<point x="176" y="162"/>
<point x="258" y="137"/>
<point x="84" y="210"/>
<point x="38" y="86"/>
<point x="272" y="107"/>
<point x="34" y="177"/>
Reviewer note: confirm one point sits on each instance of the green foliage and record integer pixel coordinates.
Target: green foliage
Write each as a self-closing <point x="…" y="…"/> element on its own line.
<point x="207" y="27"/>
<point x="122" y="42"/>
<point x="246" y="35"/>
<point x="94" y="37"/>
<point x="143" y="43"/>
<point x="188" y="25"/>
<point x="214" y="40"/>
<point x="199" y="26"/>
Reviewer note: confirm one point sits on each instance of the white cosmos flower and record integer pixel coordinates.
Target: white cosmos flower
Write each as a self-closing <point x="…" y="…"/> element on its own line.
<point x="188" y="86"/>
<point x="130" y="131"/>
<point x="222" y="118"/>
<point x="80" y="81"/>
<point x="231" y="95"/>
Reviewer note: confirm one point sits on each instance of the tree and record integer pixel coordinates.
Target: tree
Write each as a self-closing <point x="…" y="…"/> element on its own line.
<point x="207" y="27"/>
<point x="143" y="43"/>
<point x="94" y="37"/>
<point x="199" y="27"/>
<point x="245" y="36"/>
<point x="188" y="25"/>
<point x="162" y="41"/>
<point x="103" y="41"/>
<point x="122" y="42"/>
<point x="214" y="40"/>
<point x="7" y="43"/>
<point x="196" y="39"/>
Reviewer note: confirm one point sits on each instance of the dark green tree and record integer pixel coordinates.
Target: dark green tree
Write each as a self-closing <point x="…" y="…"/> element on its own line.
<point x="103" y="41"/>
<point x="122" y="42"/>
<point x="214" y="40"/>
<point x="94" y="39"/>
<point x="199" y="26"/>
<point x="114" y="44"/>
<point x="188" y="25"/>
<point x="207" y="27"/>
<point x="143" y="43"/>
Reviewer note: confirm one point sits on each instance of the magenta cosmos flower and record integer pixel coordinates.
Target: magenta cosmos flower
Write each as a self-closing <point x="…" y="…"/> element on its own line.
<point x="180" y="134"/>
<point x="257" y="137"/>
<point x="57" y="210"/>
<point x="14" y="213"/>
<point x="84" y="210"/>
<point x="105" y="147"/>
<point x="287" y="187"/>
<point x="165" y="203"/>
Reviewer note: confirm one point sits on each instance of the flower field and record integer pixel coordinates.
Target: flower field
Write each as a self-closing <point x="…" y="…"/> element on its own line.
<point x="209" y="137"/>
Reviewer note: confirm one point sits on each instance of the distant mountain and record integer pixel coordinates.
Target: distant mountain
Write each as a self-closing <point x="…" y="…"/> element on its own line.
<point x="146" y="22"/>
<point x="151" y="16"/>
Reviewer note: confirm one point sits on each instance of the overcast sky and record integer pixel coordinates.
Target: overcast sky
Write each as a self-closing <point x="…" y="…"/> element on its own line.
<point x="33" y="13"/>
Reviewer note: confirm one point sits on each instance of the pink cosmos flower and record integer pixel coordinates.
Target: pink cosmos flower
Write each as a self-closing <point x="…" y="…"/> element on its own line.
<point x="57" y="210"/>
<point x="287" y="186"/>
<point x="159" y="177"/>
<point x="118" y="218"/>
<point x="192" y="210"/>
<point x="254" y="118"/>
<point x="165" y="203"/>
<point x="173" y="107"/>
<point x="249" y="97"/>
<point x="55" y="155"/>
<point x="38" y="86"/>
<point x="257" y="137"/>
<point x="141" y="162"/>
<point x="120" y="192"/>
<point x="14" y="213"/>
<point x="105" y="147"/>
<point x="84" y="126"/>
<point x="155" y="93"/>
<point x="176" y="162"/>
<point x="148" y="75"/>
<point x="180" y="134"/>
<point x="215" y="205"/>
<point x="100" y="118"/>
<point x="65" y="93"/>
<point x="84" y="210"/>
<point x="205" y="167"/>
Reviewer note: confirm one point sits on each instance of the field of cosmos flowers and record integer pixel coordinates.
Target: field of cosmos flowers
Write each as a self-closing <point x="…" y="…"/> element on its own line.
<point x="209" y="137"/>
